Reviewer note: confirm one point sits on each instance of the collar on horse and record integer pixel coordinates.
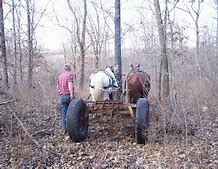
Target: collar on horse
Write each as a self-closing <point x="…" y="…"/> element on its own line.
<point x="132" y="73"/>
<point x="112" y="80"/>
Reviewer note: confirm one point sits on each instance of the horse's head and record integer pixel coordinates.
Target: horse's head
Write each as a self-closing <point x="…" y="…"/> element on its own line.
<point x="116" y="69"/>
<point x="110" y="70"/>
<point x="133" y="69"/>
<point x="113" y="69"/>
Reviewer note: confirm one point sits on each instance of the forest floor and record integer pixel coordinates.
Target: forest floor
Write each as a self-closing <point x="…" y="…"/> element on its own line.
<point x="110" y="143"/>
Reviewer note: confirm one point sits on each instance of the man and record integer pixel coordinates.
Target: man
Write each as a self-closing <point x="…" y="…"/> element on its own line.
<point x="66" y="92"/>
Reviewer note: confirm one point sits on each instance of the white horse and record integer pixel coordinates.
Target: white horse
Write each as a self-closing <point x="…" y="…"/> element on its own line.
<point x="103" y="84"/>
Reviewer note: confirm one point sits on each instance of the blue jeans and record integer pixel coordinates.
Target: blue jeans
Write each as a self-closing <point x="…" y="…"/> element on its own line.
<point x="65" y="101"/>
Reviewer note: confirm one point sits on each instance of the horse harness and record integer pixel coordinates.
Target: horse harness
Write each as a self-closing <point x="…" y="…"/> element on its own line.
<point x="131" y="74"/>
<point x="143" y="84"/>
<point x="112" y="81"/>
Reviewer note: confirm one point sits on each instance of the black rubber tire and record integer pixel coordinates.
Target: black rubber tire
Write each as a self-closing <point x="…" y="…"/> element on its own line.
<point x="141" y="121"/>
<point x="77" y="120"/>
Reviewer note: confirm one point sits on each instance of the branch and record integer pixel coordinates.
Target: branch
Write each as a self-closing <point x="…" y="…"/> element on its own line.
<point x="76" y="19"/>
<point x="105" y="20"/>
<point x="174" y="6"/>
<point x="45" y="131"/>
<point x="37" y="22"/>
<point x="84" y="23"/>
<point x="6" y="102"/>
<point x="93" y="29"/>
<point x="24" y="128"/>
<point x="187" y="11"/>
<point x="62" y="26"/>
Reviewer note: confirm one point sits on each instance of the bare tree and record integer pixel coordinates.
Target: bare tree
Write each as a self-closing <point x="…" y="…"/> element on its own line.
<point x="164" y="68"/>
<point x="4" y="56"/>
<point x="73" y="47"/>
<point x="216" y="2"/>
<point x="65" y="55"/>
<point x="18" y="12"/>
<point x="14" y="45"/>
<point x="118" y="60"/>
<point x="194" y="12"/>
<point x="30" y="44"/>
<point x="73" y="41"/>
<point x="196" y="20"/>
<point x="171" y="23"/>
<point x="80" y="38"/>
<point x="32" y="24"/>
<point x="97" y="34"/>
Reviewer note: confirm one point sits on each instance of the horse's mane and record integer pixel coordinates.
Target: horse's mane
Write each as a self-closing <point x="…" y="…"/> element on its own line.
<point x="108" y="69"/>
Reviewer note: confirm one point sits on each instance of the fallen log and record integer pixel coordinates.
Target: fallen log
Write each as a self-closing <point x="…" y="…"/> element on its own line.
<point x="8" y="101"/>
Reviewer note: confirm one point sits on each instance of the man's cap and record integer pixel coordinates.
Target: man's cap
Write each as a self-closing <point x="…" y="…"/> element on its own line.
<point x="67" y="67"/>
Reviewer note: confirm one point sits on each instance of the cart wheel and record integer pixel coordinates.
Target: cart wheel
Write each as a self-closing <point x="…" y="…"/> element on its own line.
<point x="77" y="120"/>
<point x="142" y="119"/>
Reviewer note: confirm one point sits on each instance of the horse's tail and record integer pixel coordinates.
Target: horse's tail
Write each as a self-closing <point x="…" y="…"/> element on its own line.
<point x="99" y="91"/>
<point x="96" y="90"/>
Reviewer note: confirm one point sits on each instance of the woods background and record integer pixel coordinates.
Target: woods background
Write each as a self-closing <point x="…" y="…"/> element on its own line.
<point x="174" y="41"/>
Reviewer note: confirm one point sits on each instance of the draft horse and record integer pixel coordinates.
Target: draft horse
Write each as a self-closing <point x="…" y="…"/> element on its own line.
<point x="103" y="84"/>
<point x="137" y="83"/>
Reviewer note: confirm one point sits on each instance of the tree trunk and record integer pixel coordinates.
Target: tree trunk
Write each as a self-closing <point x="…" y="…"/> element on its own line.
<point x="197" y="38"/>
<point x="216" y="1"/>
<point x="80" y="40"/>
<point x="73" y="50"/>
<point x="216" y="61"/>
<point x="96" y="54"/>
<point x="118" y="59"/>
<point x="82" y="67"/>
<point x="4" y="56"/>
<point x="19" y="48"/>
<point x="95" y="36"/>
<point x="14" y="45"/>
<point x="82" y="46"/>
<point x="30" y="45"/>
<point x="197" y="48"/>
<point x="65" y="55"/>
<point x="164" y="89"/>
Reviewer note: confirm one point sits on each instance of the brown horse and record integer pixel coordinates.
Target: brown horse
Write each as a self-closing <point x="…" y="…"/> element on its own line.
<point x="138" y="84"/>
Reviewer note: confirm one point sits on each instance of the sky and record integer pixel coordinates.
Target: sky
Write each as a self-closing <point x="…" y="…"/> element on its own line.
<point x="52" y="36"/>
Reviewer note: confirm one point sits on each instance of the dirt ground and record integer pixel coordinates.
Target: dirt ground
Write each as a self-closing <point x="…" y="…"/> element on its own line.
<point x="110" y="143"/>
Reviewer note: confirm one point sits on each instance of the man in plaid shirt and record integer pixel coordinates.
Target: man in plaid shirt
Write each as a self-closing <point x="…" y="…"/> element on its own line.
<point x="66" y="91"/>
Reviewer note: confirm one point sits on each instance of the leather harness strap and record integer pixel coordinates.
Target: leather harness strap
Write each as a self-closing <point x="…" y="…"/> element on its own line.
<point x="143" y="84"/>
<point x="112" y="81"/>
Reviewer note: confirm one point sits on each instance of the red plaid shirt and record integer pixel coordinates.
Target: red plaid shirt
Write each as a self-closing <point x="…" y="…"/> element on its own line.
<point x="63" y="80"/>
